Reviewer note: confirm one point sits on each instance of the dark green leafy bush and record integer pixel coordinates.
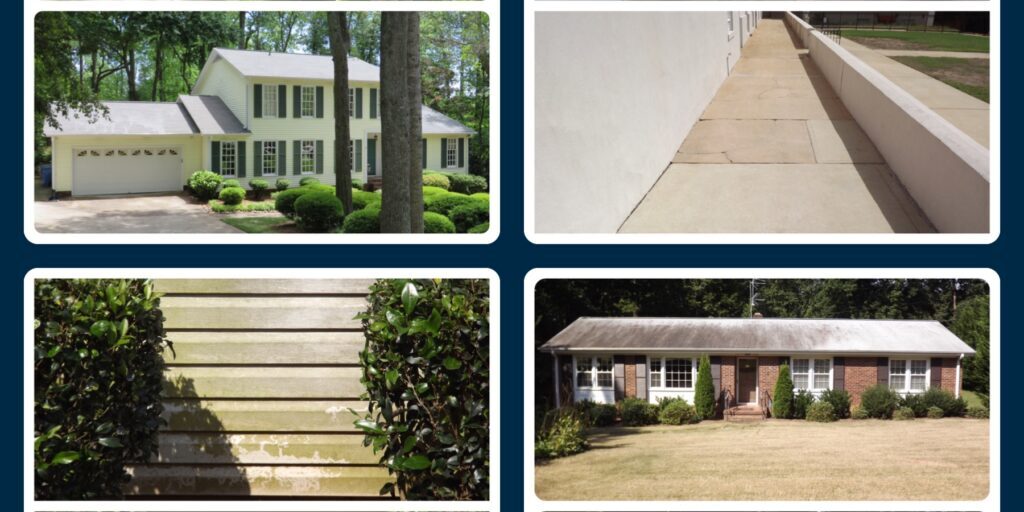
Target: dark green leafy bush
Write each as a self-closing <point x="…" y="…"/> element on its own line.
<point x="821" y="412"/>
<point x="858" y="413"/>
<point x="915" y="403"/>
<point x="362" y="221"/>
<point x="678" y="412"/>
<point x="282" y="184"/>
<point x="436" y="180"/>
<point x="231" y="182"/>
<point x="437" y="223"/>
<point x="232" y="195"/>
<point x="204" y="184"/>
<point x="308" y="180"/>
<point x="879" y="401"/>
<point x="319" y="212"/>
<point x="782" y="398"/>
<point x="445" y="203"/>
<point x="840" y="400"/>
<point x="469" y="215"/>
<point x="935" y="413"/>
<point x="98" y="374"/>
<point x="427" y="376"/>
<point x="951" y="406"/>
<point x="466" y="183"/>
<point x="480" y="228"/>
<point x="904" y="413"/>
<point x="637" y="412"/>
<point x="704" y="396"/>
<point x="362" y="199"/>
<point x="285" y="200"/>
<point x="977" y="411"/>
<point x="801" y="401"/>
<point x="560" y="434"/>
<point x="259" y="186"/>
<point x="594" y="414"/>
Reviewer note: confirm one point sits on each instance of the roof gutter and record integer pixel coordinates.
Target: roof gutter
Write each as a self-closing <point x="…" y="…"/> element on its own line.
<point x="717" y="350"/>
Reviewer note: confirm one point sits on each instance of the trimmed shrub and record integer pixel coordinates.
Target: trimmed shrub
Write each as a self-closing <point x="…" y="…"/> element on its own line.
<point x="561" y="435"/>
<point x="915" y="403"/>
<point x="879" y="401"/>
<point x="362" y="221"/>
<point x="230" y="183"/>
<point x="216" y="206"/>
<point x="466" y="183"/>
<point x="935" y="413"/>
<point x="782" y="398"/>
<point x="977" y="411"/>
<point x="704" y="395"/>
<point x="858" y="413"/>
<point x="204" y="184"/>
<point x="445" y="203"/>
<point x="469" y="215"/>
<point x="638" y="412"/>
<point x="433" y="191"/>
<point x="232" y="195"/>
<point x="665" y="401"/>
<point x="259" y="186"/>
<point x="950" y="405"/>
<point x="480" y="228"/>
<point x="319" y="212"/>
<point x="308" y="180"/>
<point x="679" y="413"/>
<point x="362" y="199"/>
<point x="357" y="184"/>
<point x="482" y="196"/>
<point x="437" y="223"/>
<point x="594" y="414"/>
<point x="285" y="200"/>
<point x="282" y="184"/>
<point x="436" y="180"/>
<point x="426" y="373"/>
<point x="801" y="402"/>
<point x="821" y="412"/>
<point x="98" y="380"/>
<point x="840" y="400"/>
<point x="903" y="413"/>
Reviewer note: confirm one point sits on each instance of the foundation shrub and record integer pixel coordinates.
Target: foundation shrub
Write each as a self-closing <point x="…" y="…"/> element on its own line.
<point x="704" y="394"/>
<point x="436" y="180"/>
<point x="319" y="212"/>
<point x="951" y="406"/>
<point x="362" y="221"/>
<point x="98" y="379"/>
<point x="638" y="412"/>
<point x="469" y="215"/>
<point x="821" y="412"/>
<point x="232" y="195"/>
<point x="782" y="398"/>
<point x="935" y="413"/>
<point x="859" y="413"/>
<point x="362" y="199"/>
<point x="879" y="401"/>
<point x="284" y="202"/>
<point x="977" y="411"/>
<point x="801" y="401"/>
<point x="561" y="434"/>
<point x="914" y="403"/>
<point x="308" y="180"/>
<point x="231" y="182"/>
<point x="204" y="184"/>
<point x="437" y="223"/>
<point x="678" y="412"/>
<point x="259" y="187"/>
<point x="840" y="400"/>
<point x="594" y="414"/>
<point x="426" y="371"/>
<point x="282" y="184"/>
<point x="904" y="413"/>
<point x="467" y="183"/>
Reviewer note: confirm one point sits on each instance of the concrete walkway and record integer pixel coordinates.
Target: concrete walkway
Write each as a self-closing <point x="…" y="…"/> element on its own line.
<point x="966" y="112"/>
<point x="776" y="152"/>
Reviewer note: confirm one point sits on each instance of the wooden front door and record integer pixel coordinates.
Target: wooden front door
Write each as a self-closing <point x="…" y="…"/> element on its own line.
<point x="746" y="385"/>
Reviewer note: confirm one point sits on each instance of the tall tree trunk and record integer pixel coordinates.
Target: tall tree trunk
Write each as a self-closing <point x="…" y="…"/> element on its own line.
<point x="241" y="30"/>
<point x="337" y="24"/>
<point x="394" y="214"/>
<point x="158" y="70"/>
<point x="129" y="72"/>
<point x="412" y="75"/>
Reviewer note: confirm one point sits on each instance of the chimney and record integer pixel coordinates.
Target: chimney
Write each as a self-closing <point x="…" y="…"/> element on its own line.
<point x="757" y="315"/>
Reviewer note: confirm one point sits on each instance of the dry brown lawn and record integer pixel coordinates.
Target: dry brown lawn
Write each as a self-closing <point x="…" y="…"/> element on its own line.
<point x="924" y="459"/>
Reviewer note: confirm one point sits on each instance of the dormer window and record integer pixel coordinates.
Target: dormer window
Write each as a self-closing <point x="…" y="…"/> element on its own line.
<point x="270" y="101"/>
<point x="308" y="103"/>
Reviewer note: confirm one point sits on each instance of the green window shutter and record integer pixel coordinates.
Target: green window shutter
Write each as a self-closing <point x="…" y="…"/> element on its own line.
<point x="371" y="157"/>
<point x="297" y="101"/>
<point x="215" y="156"/>
<point x="424" y="166"/>
<point x="357" y="147"/>
<point x="373" y="103"/>
<point x="319" y="157"/>
<point x="462" y="147"/>
<point x="241" y="158"/>
<point x="257" y="158"/>
<point x="257" y="100"/>
<point x="282" y="158"/>
<point x="319" y="102"/>
<point x="359" y="102"/>
<point x="444" y="152"/>
<point x="297" y="154"/>
<point x="282" y="101"/>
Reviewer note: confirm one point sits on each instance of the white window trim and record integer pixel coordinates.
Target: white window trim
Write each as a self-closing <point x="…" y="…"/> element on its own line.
<point x="661" y="373"/>
<point x="907" y="373"/>
<point x="351" y="102"/>
<point x="810" y="372"/>
<point x="272" y="90"/>
<point x="593" y="373"/>
<point x="234" y="157"/>
<point x="730" y="23"/>
<point x="302" y="102"/>
<point x="453" y="152"/>
<point x="302" y="145"/>
<point x="263" y="157"/>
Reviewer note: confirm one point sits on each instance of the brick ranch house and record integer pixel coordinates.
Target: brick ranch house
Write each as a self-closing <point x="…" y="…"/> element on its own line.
<point x="608" y="359"/>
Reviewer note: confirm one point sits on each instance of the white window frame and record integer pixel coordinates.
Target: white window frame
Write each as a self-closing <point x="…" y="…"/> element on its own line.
<point x="351" y="102"/>
<point x="908" y="373"/>
<point x="233" y="158"/>
<point x="811" y="372"/>
<point x="270" y="101"/>
<point x="312" y="156"/>
<point x="452" y="158"/>
<point x="311" y="103"/>
<point x="662" y="373"/>
<point x="272" y="158"/>
<point x="594" y="373"/>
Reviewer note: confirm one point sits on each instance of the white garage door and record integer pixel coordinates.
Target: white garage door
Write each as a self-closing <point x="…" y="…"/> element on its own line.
<point x="126" y="170"/>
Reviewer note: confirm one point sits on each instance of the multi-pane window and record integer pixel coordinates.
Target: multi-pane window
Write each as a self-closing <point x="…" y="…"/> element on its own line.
<point x="268" y="158"/>
<point x="228" y="158"/>
<point x="812" y="374"/>
<point x="351" y="155"/>
<point x="672" y="373"/>
<point x="351" y="102"/>
<point x="594" y="372"/>
<point x="307" y="156"/>
<point x="730" y="21"/>
<point x="451" y="159"/>
<point x="908" y="375"/>
<point x="308" y="101"/>
<point x="270" y="101"/>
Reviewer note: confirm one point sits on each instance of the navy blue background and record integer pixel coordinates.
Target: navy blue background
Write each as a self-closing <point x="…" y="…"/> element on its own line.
<point x="512" y="256"/>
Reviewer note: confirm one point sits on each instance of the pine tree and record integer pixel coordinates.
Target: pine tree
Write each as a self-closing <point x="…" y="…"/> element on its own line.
<point x="782" y="399"/>
<point x="704" y="400"/>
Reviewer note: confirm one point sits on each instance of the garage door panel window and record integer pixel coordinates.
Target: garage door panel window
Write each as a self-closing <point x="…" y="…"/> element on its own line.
<point x="228" y="158"/>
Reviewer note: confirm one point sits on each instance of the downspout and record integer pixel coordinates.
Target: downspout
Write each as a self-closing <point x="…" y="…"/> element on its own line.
<point x="558" y="397"/>
<point x="958" y="361"/>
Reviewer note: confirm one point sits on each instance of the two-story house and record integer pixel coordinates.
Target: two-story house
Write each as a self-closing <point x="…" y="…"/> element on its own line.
<point x="251" y="114"/>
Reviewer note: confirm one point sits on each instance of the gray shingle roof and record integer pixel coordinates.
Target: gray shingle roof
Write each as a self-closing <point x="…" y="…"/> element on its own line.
<point x="744" y="335"/>
<point x="211" y="116"/>
<point x="263" y="64"/>
<point x="436" y="122"/>
<point x="128" y="118"/>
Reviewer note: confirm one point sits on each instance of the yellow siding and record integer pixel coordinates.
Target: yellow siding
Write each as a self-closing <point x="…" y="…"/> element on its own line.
<point x="225" y="81"/>
<point x="63" y="152"/>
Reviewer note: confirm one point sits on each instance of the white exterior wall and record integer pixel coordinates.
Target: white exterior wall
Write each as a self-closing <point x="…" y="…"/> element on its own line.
<point x="601" y="396"/>
<point x="225" y="81"/>
<point x="654" y="396"/>
<point x="63" y="148"/>
<point x="616" y="94"/>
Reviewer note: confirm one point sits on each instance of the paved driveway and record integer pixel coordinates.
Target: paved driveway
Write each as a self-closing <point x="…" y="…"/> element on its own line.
<point x="164" y="213"/>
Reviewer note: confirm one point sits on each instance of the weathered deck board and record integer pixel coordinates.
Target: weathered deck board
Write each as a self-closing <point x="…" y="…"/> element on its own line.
<point x="248" y="382"/>
<point x="263" y="416"/>
<point x="241" y="348"/>
<point x="259" y="313"/>
<point x="257" y="480"/>
<point x="266" y="449"/>
<point x="263" y="286"/>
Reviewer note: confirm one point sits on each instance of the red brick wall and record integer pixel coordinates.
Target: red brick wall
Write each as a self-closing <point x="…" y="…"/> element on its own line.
<point x="767" y="374"/>
<point x="949" y="375"/>
<point x="861" y="374"/>
<point x="729" y="375"/>
<point x="630" y="376"/>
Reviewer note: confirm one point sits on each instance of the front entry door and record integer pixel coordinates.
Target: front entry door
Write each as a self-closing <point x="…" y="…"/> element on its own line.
<point x="747" y="381"/>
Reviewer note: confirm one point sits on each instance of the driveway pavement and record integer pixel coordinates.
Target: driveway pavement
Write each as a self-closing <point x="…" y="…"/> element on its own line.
<point x="163" y="213"/>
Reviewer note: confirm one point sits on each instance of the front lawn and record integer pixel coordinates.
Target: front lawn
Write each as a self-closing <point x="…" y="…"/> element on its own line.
<point x="972" y="398"/>
<point x="922" y="459"/>
<point x="900" y="40"/>
<point x="247" y="205"/>
<point x="262" y="224"/>
<point x="968" y="75"/>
